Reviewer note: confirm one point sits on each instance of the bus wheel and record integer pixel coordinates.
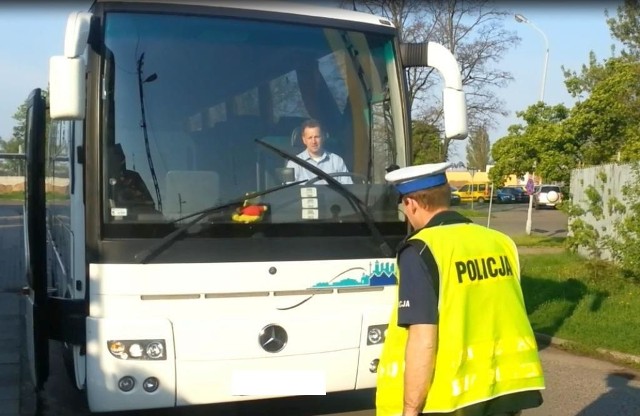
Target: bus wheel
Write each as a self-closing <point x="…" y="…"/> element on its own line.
<point x="481" y="200"/>
<point x="69" y="365"/>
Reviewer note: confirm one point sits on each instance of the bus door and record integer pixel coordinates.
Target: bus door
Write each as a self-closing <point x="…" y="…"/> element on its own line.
<point x="35" y="241"/>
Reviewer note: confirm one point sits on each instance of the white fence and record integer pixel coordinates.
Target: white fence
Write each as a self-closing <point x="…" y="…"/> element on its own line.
<point x="607" y="181"/>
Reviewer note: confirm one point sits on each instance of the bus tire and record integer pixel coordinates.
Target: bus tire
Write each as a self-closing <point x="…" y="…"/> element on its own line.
<point x="480" y="200"/>
<point x="69" y="365"/>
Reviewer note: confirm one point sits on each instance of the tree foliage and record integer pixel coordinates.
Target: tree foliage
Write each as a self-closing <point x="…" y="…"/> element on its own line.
<point x="479" y="149"/>
<point x="541" y="145"/>
<point x="626" y="27"/>
<point x="603" y="125"/>
<point x="15" y="143"/>
<point x="579" y="85"/>
<point x="601" y="128"/>
<point x="427" y="144"/>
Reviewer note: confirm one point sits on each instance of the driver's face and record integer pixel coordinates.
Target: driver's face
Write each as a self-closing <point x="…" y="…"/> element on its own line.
<point x="312" y="139"/>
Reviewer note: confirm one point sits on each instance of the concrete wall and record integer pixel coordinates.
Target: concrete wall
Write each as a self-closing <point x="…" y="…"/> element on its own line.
<point x="10" y="184"/>
<point x="615" y="177"/>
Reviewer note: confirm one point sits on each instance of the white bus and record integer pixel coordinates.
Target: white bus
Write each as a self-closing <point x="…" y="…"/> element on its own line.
<point x="167" y="119"/>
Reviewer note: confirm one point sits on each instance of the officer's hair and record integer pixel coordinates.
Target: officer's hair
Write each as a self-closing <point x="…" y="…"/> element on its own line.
<point x="433" y="198"/>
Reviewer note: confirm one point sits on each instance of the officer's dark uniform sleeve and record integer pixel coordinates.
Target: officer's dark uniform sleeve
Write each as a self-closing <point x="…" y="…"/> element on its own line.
<point x="418" y="294"/>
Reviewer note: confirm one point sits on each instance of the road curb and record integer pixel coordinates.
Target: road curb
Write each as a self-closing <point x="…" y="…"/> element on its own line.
<point x="533" y="250"/>
<point x="609" y="355"/>
<point x="11" y="220"/>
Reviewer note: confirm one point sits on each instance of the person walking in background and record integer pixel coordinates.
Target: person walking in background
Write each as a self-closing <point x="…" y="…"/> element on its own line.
<point x="459" y="340"/>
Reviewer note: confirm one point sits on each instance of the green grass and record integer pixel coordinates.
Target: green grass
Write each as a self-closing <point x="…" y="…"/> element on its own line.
<point x="538" y="241"/>
<point x="588" y="303"/>
<point x="19" y="196"/>
<point x="470" y="213"/>
<point x="11" y="196"/>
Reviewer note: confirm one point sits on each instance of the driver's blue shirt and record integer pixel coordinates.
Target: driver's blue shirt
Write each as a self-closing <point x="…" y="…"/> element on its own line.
<point x="329" y="163"/>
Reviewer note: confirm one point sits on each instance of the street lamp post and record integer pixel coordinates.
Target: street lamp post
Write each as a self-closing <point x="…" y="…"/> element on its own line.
<point x="528" y="225"/>
<point x="472" y="171"/>
<point x="521" y="19"/>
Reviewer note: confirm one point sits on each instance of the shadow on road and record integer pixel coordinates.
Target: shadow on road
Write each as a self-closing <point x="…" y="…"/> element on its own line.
<point x="621" y="399"/>
<point x="560" y="232"/>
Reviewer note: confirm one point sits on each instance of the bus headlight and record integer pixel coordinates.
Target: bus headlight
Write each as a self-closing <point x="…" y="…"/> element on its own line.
<point x="139" y="349"/>
<point x="376" y="334"/>
<point x="155" y="350"/>
<point x="117" y="348"/>
<point x="135" y="350"/>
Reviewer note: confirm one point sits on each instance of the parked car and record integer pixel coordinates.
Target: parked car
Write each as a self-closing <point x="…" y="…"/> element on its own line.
<point x="455" y="198"/>
<point x="547" y="196"/>
<point x="504" y="196"/>
<point x="479" y="192"/>
<point x="518" y="193"/>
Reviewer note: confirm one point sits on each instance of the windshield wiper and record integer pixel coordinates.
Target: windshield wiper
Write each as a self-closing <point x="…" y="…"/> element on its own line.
<point x="145" y="255"/>
<point x="355" y="202"/>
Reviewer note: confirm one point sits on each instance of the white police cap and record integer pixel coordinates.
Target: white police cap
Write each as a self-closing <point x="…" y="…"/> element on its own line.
<point x="417" y="178"/>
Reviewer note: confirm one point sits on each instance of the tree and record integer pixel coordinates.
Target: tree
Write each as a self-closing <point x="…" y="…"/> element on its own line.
<point x="20" y="117"/>
<point x="543" y="144"/>
<point x="473" y="32"/>
<point x="605" y="120"/>
<point x="427" y="144"/>
<point x="605" y="125"/>
<point x="626" y="27"/>
<point x="479" y="149"/>
<point x="11" y="167"/>
<point x="580" y="85"/>
<point x="601" y="128"/>
<point x="16" y="143"/>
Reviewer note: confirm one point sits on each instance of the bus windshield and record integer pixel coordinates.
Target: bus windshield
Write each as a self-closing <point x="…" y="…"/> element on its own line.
<point x="186" y="98"/>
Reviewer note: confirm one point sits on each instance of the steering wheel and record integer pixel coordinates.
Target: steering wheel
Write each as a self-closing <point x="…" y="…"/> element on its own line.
<point x="359" y="177"/>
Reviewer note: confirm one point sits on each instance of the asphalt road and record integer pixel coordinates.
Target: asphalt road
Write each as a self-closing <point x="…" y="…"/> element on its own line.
<point x="511" y="219"/>
<point x="575" y="385"/>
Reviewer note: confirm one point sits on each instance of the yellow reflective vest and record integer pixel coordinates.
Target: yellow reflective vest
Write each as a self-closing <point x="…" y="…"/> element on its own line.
<point x="486" y="347"/>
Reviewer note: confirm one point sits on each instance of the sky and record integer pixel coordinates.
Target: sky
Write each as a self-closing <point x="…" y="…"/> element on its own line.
<point x="572" y="31"/>
<point x="30" y="34"/>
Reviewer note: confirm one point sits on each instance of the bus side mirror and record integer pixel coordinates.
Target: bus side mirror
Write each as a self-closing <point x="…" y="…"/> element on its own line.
<point x="67" y="72"/>
<point x="436" y="56"/>
<point x="66" y="88"/>
<point x="454" y="104"/>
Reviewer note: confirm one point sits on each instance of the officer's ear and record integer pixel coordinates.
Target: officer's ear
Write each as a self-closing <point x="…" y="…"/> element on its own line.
<point x="409" y="204"/>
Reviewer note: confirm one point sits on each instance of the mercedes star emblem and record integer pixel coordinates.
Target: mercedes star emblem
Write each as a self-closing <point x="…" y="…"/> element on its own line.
<point x="273" y="338"/>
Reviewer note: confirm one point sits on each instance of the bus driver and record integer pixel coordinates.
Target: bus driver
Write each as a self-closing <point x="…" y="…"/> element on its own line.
<point x="331" y="163"/>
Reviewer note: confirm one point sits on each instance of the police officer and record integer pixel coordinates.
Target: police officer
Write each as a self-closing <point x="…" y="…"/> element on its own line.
<point x="459" y="341"/>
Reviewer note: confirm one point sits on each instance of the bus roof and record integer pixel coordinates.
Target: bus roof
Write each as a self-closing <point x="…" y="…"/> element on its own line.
<point x="290" y="7"/>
